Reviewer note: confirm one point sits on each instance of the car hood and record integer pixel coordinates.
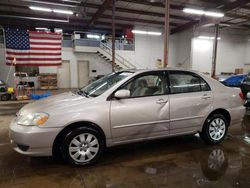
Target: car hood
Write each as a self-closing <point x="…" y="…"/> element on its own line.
<point x="54" y="103"/>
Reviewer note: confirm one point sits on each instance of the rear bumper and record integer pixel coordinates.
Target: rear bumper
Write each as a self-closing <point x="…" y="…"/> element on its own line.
<point x="237" y="115"/>
<point x="32" y="140"/>
<point x="247" y="103"/>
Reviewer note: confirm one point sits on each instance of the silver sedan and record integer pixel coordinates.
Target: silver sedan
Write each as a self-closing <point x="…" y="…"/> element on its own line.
<point x="124" y="107"/>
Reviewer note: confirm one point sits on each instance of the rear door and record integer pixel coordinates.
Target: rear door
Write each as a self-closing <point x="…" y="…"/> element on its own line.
<point x="190" y="101"/>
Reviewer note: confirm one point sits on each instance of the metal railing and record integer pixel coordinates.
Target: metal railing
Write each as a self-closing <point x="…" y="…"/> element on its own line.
<point x="123" y="61"/>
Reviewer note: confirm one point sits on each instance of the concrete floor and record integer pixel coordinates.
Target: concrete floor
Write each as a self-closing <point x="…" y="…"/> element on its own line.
<point x="175" y="162"/>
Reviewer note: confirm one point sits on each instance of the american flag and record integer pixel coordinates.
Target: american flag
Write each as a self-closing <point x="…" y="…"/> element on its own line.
<point x="31" y="48"/>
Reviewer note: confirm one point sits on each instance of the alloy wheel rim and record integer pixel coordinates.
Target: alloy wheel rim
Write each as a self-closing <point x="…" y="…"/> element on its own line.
<point x="216" y="159"/>
<point x="217" y="129"/>
<point x="84" y="147"/>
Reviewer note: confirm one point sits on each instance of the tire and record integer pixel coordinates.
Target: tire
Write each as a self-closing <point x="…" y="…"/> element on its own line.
<point x="215" y="129"/>
<point x="5" y="97"/>
<point x="86" y="145"/>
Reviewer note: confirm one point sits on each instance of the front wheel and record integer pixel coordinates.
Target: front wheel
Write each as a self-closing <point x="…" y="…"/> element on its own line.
<point x="82" y="146"/>
<point x="214" y="129"/>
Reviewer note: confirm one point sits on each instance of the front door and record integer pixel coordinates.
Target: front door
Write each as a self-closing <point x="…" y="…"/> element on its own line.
<point x="190" y="102"/>
<point x="145" y="114"/>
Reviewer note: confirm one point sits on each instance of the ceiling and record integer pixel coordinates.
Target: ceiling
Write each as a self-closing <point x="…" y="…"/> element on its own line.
<point x="96" y="15"/>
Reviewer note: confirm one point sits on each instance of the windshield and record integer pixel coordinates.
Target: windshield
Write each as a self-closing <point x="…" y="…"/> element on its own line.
<point x="98" y="87"/>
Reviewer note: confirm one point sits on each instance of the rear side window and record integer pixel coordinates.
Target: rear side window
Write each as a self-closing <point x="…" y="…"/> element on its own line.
<point x="185" y="82"/>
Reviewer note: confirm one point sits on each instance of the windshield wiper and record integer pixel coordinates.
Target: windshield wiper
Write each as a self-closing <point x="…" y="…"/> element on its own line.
<point x="83" y="93"/>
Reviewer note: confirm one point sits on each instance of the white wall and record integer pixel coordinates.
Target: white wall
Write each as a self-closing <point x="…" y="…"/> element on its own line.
<point x="180" y="49"/>
<point x="147" y="50"/>
<point x="201" y="54"/>
<point x="232" y="53"/>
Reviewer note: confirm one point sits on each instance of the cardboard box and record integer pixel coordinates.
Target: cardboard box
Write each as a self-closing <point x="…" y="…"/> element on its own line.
<point x="239" y="71"/>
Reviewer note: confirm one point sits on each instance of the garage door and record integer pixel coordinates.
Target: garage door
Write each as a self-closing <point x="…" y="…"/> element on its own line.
<point x="63" y="75"/>
<point x="83" y="73"/>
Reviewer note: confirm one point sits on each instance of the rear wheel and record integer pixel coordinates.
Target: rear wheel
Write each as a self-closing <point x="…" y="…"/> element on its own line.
<point x="82" y="146"/>
<point x="214" y="129"/>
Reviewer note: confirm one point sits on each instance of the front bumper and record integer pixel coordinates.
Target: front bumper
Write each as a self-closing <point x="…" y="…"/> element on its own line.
<point x="32" y="140"/>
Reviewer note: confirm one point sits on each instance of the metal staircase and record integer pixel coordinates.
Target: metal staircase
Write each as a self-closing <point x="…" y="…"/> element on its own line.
<point x="120" y="62"/>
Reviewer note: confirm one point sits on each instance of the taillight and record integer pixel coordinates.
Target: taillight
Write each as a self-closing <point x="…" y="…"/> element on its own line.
<point x="242" y="96"/>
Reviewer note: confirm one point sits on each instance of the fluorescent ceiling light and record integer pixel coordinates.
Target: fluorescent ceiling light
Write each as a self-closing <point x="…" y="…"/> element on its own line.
<point x="139" y="32"/>
<point x="51" y="10"/>
<point x="63" y="11"/>
<point x="203" y="37"/>
<point x="40" y="9"/>
<point x="58" y="30"/>
<point x="146" y="32"/>
<point x="154" y="33"/>
<point x="214" y="14"/>
<point x="34" y="18"/>
<point x="208" y="37"/>
<point x="42" y="28"/>
<point x="202" y="12"/>
<point x="71" y="1"/>
<point x="193" y="11"/>
<point x="91" y="36"/>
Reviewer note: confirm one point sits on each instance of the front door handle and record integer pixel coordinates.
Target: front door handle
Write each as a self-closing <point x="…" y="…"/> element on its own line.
<point x="206" y="96"/>
<point x="162" y="101"/>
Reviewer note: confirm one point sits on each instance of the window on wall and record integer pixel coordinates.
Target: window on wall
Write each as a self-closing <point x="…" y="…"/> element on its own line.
<point x="147" y="85"/>
<point x="184" y="82"/>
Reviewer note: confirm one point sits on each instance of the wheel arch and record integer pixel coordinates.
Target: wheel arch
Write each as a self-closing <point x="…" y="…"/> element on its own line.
<point x="63" y="133"/>
<point x="223" y="112"/>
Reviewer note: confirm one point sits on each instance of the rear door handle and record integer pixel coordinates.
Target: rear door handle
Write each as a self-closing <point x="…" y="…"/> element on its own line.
<point x="205" y="96"/>
<point x="162" y="101"/>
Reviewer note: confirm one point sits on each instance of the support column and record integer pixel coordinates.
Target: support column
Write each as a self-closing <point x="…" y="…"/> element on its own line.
<point x="113" y="36"/>
<point x="166" y="33"/>
<point x="215" y="50"/>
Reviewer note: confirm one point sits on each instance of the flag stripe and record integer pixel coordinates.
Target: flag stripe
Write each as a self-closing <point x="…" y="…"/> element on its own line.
<point x="45" y="43"/>
<point x="45" y="46"/>
<point x="34" y="59"/>
<point x="45" y="38"/>
<point x="32" y="53"/>
<point x="49" y="41"/>
<point x="46" y="33"/>
<point x="36" y="64"/>
<point x="52" y="52"/>
<point x="42" y="49"/>
<point x="32" y="56"/>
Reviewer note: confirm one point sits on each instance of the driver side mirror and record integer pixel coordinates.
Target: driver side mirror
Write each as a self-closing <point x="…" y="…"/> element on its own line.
<point x="122" y="94"/>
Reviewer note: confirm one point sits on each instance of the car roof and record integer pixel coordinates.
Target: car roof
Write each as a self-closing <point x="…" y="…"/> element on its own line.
<point x="159" y="69"/>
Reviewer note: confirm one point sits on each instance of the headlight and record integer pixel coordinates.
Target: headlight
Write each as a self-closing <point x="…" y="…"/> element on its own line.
<point x="35" y="119"/>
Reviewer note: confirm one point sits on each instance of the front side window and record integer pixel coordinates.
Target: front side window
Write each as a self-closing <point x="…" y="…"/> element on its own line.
<point x="98" y="87"/>
<point x="147" y="85"/>
<point x="184" y="82"/>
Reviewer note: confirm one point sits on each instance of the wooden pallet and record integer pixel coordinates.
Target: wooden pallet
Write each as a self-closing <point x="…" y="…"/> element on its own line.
<point x="48" y="81"/>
